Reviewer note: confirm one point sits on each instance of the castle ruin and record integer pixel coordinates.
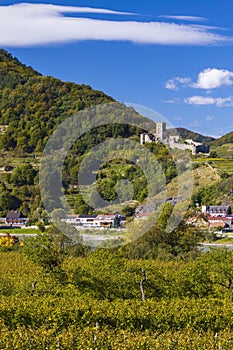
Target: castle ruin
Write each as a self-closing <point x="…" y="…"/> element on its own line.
<point x="161" y="135"/>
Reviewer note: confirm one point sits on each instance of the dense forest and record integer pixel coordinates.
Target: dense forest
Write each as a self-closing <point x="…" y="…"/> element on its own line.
<point x="33" y="105"/>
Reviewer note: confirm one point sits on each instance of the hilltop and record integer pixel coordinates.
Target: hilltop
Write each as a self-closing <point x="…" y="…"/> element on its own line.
<point x="13" y="72"/>
<point x="31" y="105"/>
<point x="188" y="134"/>
<point x="225" y="139"/>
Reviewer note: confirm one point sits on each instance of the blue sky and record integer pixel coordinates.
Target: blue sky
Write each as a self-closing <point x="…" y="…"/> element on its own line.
<point x="175" y="57"/>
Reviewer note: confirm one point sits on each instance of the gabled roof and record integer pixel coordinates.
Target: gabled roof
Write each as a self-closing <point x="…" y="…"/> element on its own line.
<point x="14" y="215"/>
<point x="106" y="217"/>
<point x="219" y="208"/>
<point x="219" y="218"/>
<point x="84" y="216"/>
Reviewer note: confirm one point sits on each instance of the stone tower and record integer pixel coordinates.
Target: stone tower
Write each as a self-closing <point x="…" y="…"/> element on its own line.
<point x="161" y="132"/>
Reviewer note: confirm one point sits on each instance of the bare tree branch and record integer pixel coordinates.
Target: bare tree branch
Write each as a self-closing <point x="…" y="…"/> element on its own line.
<point x="143" y="280"/>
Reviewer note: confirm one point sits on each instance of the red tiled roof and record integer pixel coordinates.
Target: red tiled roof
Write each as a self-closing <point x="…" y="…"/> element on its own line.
<point x="219" y="218"/>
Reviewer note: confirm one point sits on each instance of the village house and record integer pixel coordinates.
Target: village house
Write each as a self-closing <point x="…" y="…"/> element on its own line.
<point x="218" y="216"/>
<point x="93" y="221"/>
<point x="216" y="210"/>
<point x="15" y="218"/>
<point x="220" y="221"/>
<point x="198" y="221"/>
<point x="213" y="217"/>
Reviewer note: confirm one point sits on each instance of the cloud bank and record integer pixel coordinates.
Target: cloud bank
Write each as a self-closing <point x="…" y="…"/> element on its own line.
<point x="204" y="101"/>
<point x="208" y="100"/>
<point x="185" y="18"/>
<point x="41" y="24"/>
<point x="208" y="79"/>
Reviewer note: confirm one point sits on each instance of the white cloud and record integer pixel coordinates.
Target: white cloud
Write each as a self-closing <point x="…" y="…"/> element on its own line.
<point x="209" y="118"/>
<point x="207" y="100"/>
<point x="224" y="101"/>
<point x="212" y="78"/>
<point x="57" y="9"/>
<point x="185" y="18"/>
<point x="200" y="100"/>
<point x="173" y="84"/>
<point x="40" y="24"/>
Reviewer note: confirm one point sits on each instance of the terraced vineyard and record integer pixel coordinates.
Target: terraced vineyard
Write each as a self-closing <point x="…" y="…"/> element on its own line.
<point x="225" y="151"/>
<point x="222" y="165"/>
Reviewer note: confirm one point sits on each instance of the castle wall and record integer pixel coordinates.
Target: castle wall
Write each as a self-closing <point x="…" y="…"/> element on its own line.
<point x="172" y="141"/>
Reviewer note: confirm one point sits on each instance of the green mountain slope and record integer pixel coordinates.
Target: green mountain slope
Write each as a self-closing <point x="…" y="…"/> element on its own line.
<point x="228" y="138"/>
<point x="188" y="134"/>
<point x="13" y="72"/>
<point x="31" y="105"/>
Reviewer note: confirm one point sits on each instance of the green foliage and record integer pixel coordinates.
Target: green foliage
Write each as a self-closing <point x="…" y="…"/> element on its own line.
<point x="213" y="195"/>
<point x="8" y="202"/>
<point x="213" y="154"/>
<point x="59" y="313"/>
<point x="228" y="138"/>
<point x="187" y="303"/>
<point x="34" y="109"/>
<point x="112" y="173"/>
<point x="12" y="72"/>
<point x="32" y="105"/>
<point x="224" y="151"/>
<point x="42" y="251"/>
<point x="160" y="243"/>
<point x="23" y="175"/>
<point x="55" y="294"/>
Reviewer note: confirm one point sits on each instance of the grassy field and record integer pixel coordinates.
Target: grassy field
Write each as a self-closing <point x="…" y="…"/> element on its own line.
<point x="226" y="240"/>
<point x="16" y="231"/>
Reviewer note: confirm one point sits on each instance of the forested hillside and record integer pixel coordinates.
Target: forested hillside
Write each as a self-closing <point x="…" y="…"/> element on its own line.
<point x="31" y="107"/>
<point x="188" y="134"/>
<point x="228" y="138"/>
<point x="13" y="72"/>
<point x="160" y="291"/>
